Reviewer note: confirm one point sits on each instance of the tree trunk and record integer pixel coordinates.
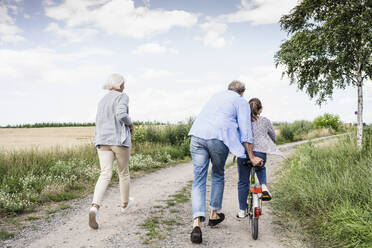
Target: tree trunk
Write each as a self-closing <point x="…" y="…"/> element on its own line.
<point x="360" y="111"/>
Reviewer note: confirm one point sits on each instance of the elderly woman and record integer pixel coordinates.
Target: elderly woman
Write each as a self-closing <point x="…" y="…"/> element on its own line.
<point x="113" y="140"/>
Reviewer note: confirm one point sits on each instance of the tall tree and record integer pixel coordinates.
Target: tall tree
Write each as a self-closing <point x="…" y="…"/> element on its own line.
<point x="329" y="47"/>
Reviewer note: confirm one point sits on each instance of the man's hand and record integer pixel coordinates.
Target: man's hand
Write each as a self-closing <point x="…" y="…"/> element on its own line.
<point x="256" y="161"/>
<point x="131" y="128"/>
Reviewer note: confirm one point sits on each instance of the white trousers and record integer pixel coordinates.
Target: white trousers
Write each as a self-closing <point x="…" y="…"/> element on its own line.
<point x="107" y="155"/>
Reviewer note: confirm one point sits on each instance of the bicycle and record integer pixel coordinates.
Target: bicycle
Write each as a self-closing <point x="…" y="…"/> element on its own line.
<point x="254" y="200"/>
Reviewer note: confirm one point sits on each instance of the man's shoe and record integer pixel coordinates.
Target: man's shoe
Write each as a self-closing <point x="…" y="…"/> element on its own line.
<point x="216" y="221"/>
<point x="241" y="214"/>
<point x="266" y="195"/>
<point x="196" y="235"/>
<point x="93" y="218"/>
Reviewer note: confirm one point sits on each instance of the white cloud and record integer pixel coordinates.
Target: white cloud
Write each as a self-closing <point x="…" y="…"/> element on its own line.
<point x="260" y="11"/>
<point x="71" y="34"/>
<point x="9" y="31"/>
<point x="43" y="66"/>
<point x="48" y="2"/>
<point x="257" y="12"/>
<point x="44" y="85"/>
<point x="153" y="48"/>
<point x="171" y="104"/>
<point x="119" y="17"/>
<point x="284" y="102"/>
<point x="151" y="73"/>
<point x="213" y="31"/>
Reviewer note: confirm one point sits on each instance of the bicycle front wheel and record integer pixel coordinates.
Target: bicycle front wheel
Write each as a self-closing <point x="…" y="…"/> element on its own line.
<point x="254" y="228"/>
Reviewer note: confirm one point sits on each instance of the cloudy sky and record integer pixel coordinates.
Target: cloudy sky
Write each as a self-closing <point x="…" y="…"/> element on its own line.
<point x="56" y="54"/>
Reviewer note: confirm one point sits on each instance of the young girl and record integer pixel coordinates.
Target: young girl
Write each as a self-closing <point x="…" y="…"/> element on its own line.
<point x="263" y="143"/>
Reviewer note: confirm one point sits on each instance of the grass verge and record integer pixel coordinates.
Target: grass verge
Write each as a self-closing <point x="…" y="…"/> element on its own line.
<point x="327" y="191"/>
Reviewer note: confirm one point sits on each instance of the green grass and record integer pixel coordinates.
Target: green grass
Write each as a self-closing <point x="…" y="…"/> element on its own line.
<point x="30" y="177"/>
<point x="64" y="206"/>
<point x="4" y="234"/>
<point x="156" y="224"/>
<point x="30" y="218"/>
<point x="152" y="225"/>
<point x="328" y="190"/>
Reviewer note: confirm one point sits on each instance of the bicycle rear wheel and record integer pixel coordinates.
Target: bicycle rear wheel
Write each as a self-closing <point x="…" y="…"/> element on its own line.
<point x="254" y="222"/>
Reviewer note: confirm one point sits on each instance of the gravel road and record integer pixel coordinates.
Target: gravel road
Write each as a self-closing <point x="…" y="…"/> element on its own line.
<point x="70" y="228"/>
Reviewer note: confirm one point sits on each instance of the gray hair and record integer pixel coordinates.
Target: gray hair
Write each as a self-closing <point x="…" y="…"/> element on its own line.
<point x="114" y="81"/>
<point x="236" y="86"/>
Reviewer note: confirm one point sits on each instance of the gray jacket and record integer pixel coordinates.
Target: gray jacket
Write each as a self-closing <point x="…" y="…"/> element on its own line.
<point x="112" y="120"/>
<point x="264" y="137"/>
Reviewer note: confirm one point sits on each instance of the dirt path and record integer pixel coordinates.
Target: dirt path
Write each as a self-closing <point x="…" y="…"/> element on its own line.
<point x="70" y="228"/>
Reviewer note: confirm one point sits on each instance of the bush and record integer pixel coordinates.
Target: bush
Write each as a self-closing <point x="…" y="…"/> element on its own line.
<point x="328" y="121"/>
<point x="301" y="127"/>
<point x="286" y="131"/>
<point x="290" y="132"/>
<point x="165" y="134"/>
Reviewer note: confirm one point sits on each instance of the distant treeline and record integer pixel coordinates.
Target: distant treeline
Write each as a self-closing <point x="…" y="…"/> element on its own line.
<point x="73" y="124"/>
<point x="51" y="124"/>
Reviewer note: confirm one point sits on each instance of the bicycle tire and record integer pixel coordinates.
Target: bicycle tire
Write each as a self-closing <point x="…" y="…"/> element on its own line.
<point x="254" y="228"/>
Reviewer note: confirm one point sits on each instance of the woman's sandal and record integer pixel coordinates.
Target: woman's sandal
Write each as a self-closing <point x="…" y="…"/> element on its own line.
<point x="216" y="221"/>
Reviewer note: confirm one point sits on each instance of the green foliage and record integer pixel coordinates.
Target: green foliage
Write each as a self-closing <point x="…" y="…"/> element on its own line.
<point x="290" y="132"/>
<point x="367" y="139"/>
<point x="328" y="190"/>
<point x="328" y="121"/>
<point x="165" y="134"/>
<point x="350" y="221"/>
<point x="30" y="178"/>
<point x="4" y="234"/>
<point x="286" y="131"/>
<point x="329" y="45"/>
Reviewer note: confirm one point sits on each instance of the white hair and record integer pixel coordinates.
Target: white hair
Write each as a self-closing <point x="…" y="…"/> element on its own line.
<point x="114" y="81"/>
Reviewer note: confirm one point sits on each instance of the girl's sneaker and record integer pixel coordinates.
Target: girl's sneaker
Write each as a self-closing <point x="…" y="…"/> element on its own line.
<point x="241" y="214"/>
<point x="93" y="216"/>
<point x="130" y="203"/>
<point x="266" y="195"/>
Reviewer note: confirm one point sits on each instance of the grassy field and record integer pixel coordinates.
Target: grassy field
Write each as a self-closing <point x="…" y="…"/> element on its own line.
<point x="327" y="192"/>
<point x="32" y="177"/>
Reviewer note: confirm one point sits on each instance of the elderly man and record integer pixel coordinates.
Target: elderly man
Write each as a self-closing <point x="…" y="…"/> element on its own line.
<point x="223" y="125"/>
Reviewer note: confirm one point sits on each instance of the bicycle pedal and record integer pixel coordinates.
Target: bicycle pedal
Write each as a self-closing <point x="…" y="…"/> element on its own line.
<point x="265" y="198"/>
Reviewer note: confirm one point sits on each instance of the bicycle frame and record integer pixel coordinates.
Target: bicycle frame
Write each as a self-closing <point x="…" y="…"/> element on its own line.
<point x="254" y="202"/>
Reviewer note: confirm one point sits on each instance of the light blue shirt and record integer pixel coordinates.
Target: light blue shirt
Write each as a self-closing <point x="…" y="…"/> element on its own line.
<point x="226" y="117"/>
<point x="112" y="120"/>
